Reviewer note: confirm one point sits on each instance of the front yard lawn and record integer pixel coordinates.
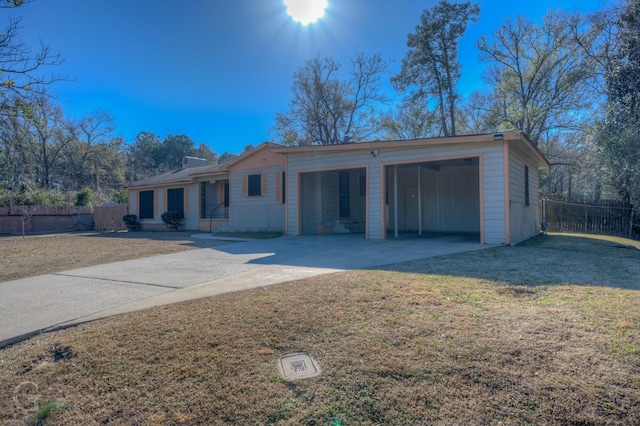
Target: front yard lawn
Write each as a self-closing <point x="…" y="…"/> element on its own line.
<point x="547" y="332"/>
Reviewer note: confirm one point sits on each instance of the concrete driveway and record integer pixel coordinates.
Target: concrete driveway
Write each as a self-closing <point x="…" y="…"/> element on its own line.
<point x="33" y="305"/>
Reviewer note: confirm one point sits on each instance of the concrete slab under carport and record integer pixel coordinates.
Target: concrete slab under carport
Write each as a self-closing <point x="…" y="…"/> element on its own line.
<point x="438" y="236"/>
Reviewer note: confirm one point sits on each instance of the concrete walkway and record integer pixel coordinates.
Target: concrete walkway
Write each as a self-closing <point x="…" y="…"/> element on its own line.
<point x="32" y="305"/>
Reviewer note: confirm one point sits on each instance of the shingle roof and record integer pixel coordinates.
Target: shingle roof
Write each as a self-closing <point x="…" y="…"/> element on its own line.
<point x="175" y="176"/>
<point x="186" y="175"/>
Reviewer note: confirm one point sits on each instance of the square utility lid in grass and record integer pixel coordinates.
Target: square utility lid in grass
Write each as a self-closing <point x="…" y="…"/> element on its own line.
<point x="298" y="366"/>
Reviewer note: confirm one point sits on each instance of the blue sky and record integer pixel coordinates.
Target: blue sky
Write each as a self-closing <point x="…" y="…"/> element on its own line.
<point x="219" y="70"/>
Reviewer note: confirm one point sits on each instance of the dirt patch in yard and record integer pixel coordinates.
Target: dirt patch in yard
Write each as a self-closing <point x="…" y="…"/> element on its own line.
<point x="45" y="254"/>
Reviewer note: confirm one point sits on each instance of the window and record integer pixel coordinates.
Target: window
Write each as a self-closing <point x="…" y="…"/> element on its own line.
<point x="145" y="204"/>
<point x="526" y="185"/>
<point x="254" y="183"/>
<point x="343" y="191"/>
<point x="175" y="200"/>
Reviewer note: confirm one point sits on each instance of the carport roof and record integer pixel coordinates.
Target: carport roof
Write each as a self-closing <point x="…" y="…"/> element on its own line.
<point x="518" y="138"/>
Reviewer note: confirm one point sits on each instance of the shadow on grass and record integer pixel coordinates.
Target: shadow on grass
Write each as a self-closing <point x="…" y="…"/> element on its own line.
<point x="558" y="259"/>
<point x="555" y="259"/>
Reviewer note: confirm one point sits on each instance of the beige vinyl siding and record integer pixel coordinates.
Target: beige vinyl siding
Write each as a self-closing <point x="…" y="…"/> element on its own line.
<point x="279" y="187"/>
<point x="291" y="207"/>
<point x="457" y="199"/>
<point x="311" y="209"/>
<point x="431" y="200"/>
<point x="523" y="219"/>
<point x="133" y="202"/>
<point x="160" y="200"/>
<point x="192" y="207"/>
<point x="191" y="204"/>
<point x="260" y="157"/>
<point x="357" y="202"/>
<point x="493" y="179"/>
<point x="255" y="213"/>
<point x="329" y="197"/>
<point x="375" y="200"/>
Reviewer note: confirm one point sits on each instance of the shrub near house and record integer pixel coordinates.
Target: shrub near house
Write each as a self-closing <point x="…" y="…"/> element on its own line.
<point x="172" y="219"/>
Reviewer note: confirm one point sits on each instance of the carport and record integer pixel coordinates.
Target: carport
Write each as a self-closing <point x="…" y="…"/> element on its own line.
<point x="333" y="201"/>
<point x="433" y="196"/>
<point x="476" y="186"/>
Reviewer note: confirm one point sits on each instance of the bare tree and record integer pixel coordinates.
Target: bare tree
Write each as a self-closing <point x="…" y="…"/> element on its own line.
<point x="22" y="69"/>
<point x="93" y="158"/>
<point x="15" y="146"/>
<point x="474" y="114"/>
<point x="597" y="36"/>
<point x="326" y="109"/>
<point x="49" y="132"/>
<point x="410" y="121"/>
<point x="538" y="74"/>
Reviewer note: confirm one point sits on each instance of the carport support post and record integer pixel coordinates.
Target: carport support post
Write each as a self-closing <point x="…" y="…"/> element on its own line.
<point x="395" y="200"/>
<point x="419" y="201"/>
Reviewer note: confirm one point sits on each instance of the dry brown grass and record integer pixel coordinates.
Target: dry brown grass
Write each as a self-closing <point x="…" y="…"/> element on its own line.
<point x="45" y="254"/>
<point x="406" y="345"/>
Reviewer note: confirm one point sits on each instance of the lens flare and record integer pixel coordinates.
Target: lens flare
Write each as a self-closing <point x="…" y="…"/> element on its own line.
<point x="306" y="11"/>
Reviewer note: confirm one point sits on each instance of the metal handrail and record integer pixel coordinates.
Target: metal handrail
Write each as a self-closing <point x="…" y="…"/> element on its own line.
<point x="211" y="215"/>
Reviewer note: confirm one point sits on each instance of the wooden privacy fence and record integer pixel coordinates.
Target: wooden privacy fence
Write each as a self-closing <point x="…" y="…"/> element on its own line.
<point x="15" y="219"/>
<point x="35" y="219"/>
<point x="109" y="218"/>
<point x="591" y="217"/>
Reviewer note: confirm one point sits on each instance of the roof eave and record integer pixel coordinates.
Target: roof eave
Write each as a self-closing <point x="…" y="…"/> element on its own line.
<point x="399" y="143"/>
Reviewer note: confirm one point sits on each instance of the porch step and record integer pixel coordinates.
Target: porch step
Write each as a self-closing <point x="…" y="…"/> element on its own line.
<point x="347" y="227"/>
<point x="355" y="227"/>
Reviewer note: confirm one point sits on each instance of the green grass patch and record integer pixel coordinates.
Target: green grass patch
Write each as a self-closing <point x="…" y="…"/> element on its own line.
<point x="46" y="410"/>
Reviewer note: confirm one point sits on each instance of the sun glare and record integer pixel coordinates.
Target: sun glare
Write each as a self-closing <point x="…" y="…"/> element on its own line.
<point x="306" y="11"/>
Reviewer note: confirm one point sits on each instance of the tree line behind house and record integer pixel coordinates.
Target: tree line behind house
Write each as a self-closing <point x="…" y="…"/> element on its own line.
<point x="571" y="82"/>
